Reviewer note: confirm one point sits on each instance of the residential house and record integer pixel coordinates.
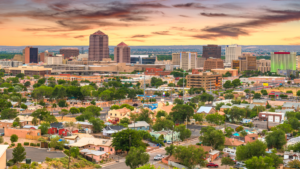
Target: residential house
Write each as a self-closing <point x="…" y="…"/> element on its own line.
<point x="139" y="125"/>
<point x="251" y="138"/>
<point x="95" y="144"/>
<point x="34" y="107"/>
<point x="290" y="156"/>
<point x="9" y="123"/>
<point x="232" y="143"/>
<point x="117" y="115"/>
<point x="3" y="160"/>
<point x="278" y="116"/>
<point x="211" y="154"/>
<point x="206" y="110"/>
<point x="85" y="125"/>
<point x="72" y="139"/>
<point x="167" y="135"/>
<point x="163" y="107"/>
<point x="291" y="105"/>
<point x="109" y="130"/>
<point x="259" y="102"/>
<point x="27" y="119"/>
<point x="21" y="133"/>
<point x="95" y="154"/>
<point x="230" y="151"/>
<point x="54" y="128"/>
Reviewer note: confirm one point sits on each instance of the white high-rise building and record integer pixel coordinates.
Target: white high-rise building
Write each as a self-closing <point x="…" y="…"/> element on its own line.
<point x="232" y="52"/>
<point x="188" y="60"/>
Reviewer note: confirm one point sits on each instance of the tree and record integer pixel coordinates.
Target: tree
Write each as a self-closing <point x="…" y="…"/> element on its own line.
<point x="98" y="124"/>
<point x="219" y="105"/>
<point x="259" y="163"/>
<point x="235" y="113"/>
<point x="50" y="119"/>
<point x="14" y="138"/>
<point x="294" y="164"/>
<point x="277" y="160"/>
<point x="1" y="140"/>
<point x="63" y="112"/>
<point x="178" y="101"/>
<point x="86" y="90"/>
<point x="56" y="143"/>
<point x="287" y="128"/>
<point x="227" y="84"/>
<point x="215" y="118"/>
<point x="137" y="157"/>
<point x="62" y="103"/>
<point x="74" y="110"/>
<point x="199" y="117"/>
<point x="257" y="96"/>
<point x="127" y="106"/>
<point x="35" y="121"/>
<point x="20" y="75"/>
<point x="23" y="106"/>
<point x="181" y="112"/>
<point x="9" y="114"/>
<point x="163" y="124"/>
<point x="229" y="131"/>
<point x="212" y="137"/>
<point x="190" y="156"/>
<point x="36" y="76"/>
<point x="126" y="139"/>
<point x="93" y="102"/>
<point x="125" y="121"/>
<point x="161" y="113"/>
<point x="184" y="132"/>
<point x="268" y="105"/>
<point x="236" y="82"/>
<point x="170" y="150"/>
<point x="114" y="107"/>
<point x="74" y="151"/>
<point x="16" y="122"/>
<point x="40" y="114"/>
<point x="298" y="93"/>
<point x="18" y="153"/>
<point x="243" y="133"/>
<point x="294" y="122"/>
<point x="256" y="148"/>
<point x="44" y="127"/>
<point x="227" y="161"/>
<point x="106" y="95"/>
<point x="276" y="139"/>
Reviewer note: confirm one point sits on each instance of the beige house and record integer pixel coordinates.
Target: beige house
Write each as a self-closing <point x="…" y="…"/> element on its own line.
<point x="27" y="119"/>
<point x="118" y="114"/>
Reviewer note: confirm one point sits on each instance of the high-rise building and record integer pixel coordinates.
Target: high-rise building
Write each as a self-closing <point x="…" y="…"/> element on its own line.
<point x="246" y="62"/>
<point x="200" y="62"/>
<point x="69" y="52"/>
<point x="211" y="51"/>
<point x="54" y="60"/>
<point x="213" y="63"/>
<point x="98" y="48"/>
<point x="206" y="80"/>
<point x="176" y="58"/>
<point x="263" y="65"/>
<point x="188" y="60"/>
<point x="283" y="61"/>
<point x="232" y="52"/>
<point x="30" y="55"/>
<point x="122" y="53"/>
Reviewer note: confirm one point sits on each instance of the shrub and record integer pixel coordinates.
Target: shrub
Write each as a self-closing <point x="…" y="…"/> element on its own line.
<point x="76" y="165"/>
<point x="97" y="166"/>
<point x="5" y="143"/>
<point x="26" y="143"/>
<point x="240" y="128"/>
<point x="12" y="144"/>
<point x="38" y="144"/>
<point x="10" y="163"/>
<point x="34" y="164"/>
<point x="67" y="152"/>
<point x="32" y="144"/>
<point x="48" y="159"/>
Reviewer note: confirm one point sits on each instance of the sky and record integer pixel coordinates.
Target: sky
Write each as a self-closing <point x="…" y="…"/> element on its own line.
<point x="150" y="22"/>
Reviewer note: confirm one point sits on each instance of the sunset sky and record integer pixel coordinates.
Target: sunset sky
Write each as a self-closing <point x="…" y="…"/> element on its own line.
<point x="153" y="22"/>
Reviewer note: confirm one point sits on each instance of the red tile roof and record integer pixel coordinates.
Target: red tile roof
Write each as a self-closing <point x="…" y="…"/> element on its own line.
<point x="99" y="33"/>
<point x="122" y="44"/>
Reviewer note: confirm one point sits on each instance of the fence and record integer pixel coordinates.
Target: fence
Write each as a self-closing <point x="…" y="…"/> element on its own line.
<point x="35" y="137"/>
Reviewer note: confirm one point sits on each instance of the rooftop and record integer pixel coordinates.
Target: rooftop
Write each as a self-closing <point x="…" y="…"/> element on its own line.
<point x="98" y="33"/>
<point x="122" y="44"/>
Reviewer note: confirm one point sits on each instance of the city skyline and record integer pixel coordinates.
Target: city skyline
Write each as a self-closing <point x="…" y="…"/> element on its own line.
<point x="150" y="23"/>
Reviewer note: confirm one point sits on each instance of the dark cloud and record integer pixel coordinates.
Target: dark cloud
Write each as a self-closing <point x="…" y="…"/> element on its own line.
<point x="79" y="36"/>
<point x="214" y="14"/>
<point x="185" y="16"/>
<point x="139" y="5"/>
<point x="141" y="36"/>
<point x="161" y="33"/>
<point x="234" y="30"/>
<point x="190" y="5"/>
<point x="185" y="29"/>
<point x="59" y="6"/>
<point x="229" y="6"/>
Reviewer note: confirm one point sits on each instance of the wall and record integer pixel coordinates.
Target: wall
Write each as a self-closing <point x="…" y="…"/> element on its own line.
<point x="3" y="161"/>
<point x="21" y="133"/>
<point x="171" y="163"/>
<point x="110" y="150"/>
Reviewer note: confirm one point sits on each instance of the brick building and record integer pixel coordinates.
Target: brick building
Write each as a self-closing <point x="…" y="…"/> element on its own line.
<point x="69" y="52"/>
<point x="246" y="62"/>
<point x="213" y="63"/>
<point x="122" y="53"/>
<point x="206" y="80"/>
<point x="29" y="70"/>
<point x="211" y="51"/>
<point x="98" y="48"/>
<point x="156" y="72"/>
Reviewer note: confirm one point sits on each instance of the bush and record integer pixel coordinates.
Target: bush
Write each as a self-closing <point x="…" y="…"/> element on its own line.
<point x="12" y="144"/>
<point x="10" y="163"/>
<point x="76" y="165"/>
<point x="240" y="128"/>
<point x="5" y="143"/>
<point x="48" y="159"/>
<point x="32" y="144"/>
<point x="97" y="166"/>
<point x="67" y="152"/>
<point x="34" y="164"/>
<point x="26" y="143"/>
<point x="38" y="144"/>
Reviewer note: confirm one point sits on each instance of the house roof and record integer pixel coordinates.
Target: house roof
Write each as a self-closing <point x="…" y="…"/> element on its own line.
<point x="205" y="109"/>
<point x="119" y="127"/>
<point x="139" y="124"/>
<point x="25" y="118"/>
<point x="71" y="137"/>
<point x="57" y="125"/>
<point x="252" y="135"/>
<point x="232" y="142"/>
<point x="92" y="152"/>
<point x="93" y="141"/>
<point x="3" y="149"/>
<point x="81" y="135"/>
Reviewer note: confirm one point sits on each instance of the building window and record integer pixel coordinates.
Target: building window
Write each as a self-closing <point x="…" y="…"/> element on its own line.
<point x="253" y="138"/>
<point x="111" y="149"/>
<point x="38" y="134"/>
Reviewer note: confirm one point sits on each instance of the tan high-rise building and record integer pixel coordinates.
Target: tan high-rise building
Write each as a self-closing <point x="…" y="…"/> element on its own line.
<point x="213" y="63"/>
<point x="263" y="65"/>
<point x="246" y="62"/>
<point x="98" y="48"/>
<point x="176" y="58"/>
<point x="188" y="60"/>
<point x="206" y="80"/>
<point x="232" y="52"/>
<point x="122" y="53"/>
<point x="200" y="62"/>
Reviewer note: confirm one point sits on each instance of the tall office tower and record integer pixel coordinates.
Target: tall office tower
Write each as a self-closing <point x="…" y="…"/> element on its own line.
<point x="213" y="63"/>
<point x="232" y="52"/>
<point x="69" y="52"/>
<point x="245" y="62"/>
<point x="122" y="53"/>
<point x="176" y="58"/>
<point x="283" y="61"/>
<point x="31" y="55"/>
<point x="263" y="65"/>
<point x="211" y="51"/>
<point x="98" y="48"/>
<point x="188" y="60"/>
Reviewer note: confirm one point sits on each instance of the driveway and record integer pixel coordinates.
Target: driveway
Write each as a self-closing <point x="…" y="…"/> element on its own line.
<point x="35" y="154"/>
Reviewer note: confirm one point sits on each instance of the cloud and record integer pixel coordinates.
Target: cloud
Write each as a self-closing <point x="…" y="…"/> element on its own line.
<point x="161" y="33"/>
<point x="59" y="6"/>
<point x="184" y="16"/>
<point x="228" y="6"/>
<point x="79" y="36"/>
<point x="292" y="38"/>
<point x="135" y="40"/>
<point x="185" y="29"/>
<point x="190" y="5"/>
<point x="214" y="14"/>
<point x="234" y="30"/>
<point x="141" y="36"/>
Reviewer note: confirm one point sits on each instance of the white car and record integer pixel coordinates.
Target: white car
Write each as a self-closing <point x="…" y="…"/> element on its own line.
<point x="169" y="142"/>
<point x="158" y="157"/>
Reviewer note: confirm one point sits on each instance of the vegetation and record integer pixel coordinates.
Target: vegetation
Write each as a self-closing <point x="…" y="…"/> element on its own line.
<point x="137" y="157"/>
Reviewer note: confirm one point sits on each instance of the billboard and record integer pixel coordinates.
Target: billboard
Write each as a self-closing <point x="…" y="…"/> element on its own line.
<point x="265" y="84"/>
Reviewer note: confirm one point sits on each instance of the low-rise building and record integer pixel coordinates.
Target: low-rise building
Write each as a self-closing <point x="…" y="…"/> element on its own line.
<point x="206" y="80"/>
<point x="69" y="77"/>
<point x="21" y="132"/>
<point x="95" y="144"/>
<point x="139" y="125"/>
<point x="109" y="130"/>
<point x="29" y="70"/>
<point x="251" y="138"/>
<point x="213" y="63"/>
<point x="234" y="72"/>
<point x="167" y="135"/>
<point x="118" y="114"/>
<point x="276" y="117"/>
<point x="157" y="72"/>
<point x="9" y="123"/>
<point x="206" y="110"/>
<point x="232" y="143"/>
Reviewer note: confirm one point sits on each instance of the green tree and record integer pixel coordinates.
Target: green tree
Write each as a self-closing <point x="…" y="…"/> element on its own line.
<point x="212" y="137"/>
<point x="62" y="103"/>
<point x="227" y="84"/>
<point x="125" y="121"/>
<point x="161" y="113"/>
<point x="40" y="114"/>
<point x="35" y="121"/>
<point x="56" y="143"/>
<point x="87" y="90"/>
<point x="199" y="117"/>
<point x="137" y="157"/>
<point x="277" y="160"/>
<point x="276" y="139"/>
<point x="126" y="139"/>
<point x="44" y="127"/>
<point x="63" y="112"/>
<point x="298" y="93"/>
<point x="50" y="119"/>
<point x="256" y="148"/>
<point x="74" y="110"/>
<point x="257" y="96"/>
<point x="170" y="150"/>
<point x="184" y="132"/>
<point x="190" y="156"/>
<point x="18" y="153"/>
<point x="294" y="164"/>
<point x="106" y="95"/>
<point x="243" y="133"/>
<point x="235" y="113"/>
<point x="127" y="106"/>
<point x="294" y="122"/>
<point x="219" y="105"/>
<point x="14" y="138"/>
<point x="114" y="107"/>
<point x="9" y="114"/>
<point x="98" y="124"/>
<point x="259" y="163"/>
<point x="227" y="161"/>
<point x="287" y="128"/>
<point x="182" y="112"/>
<point x="236" y="82"/>
<point x="163" y="124"/>
<point x="23" y="106"/>
<point x="74" y="151"/>
<point x="93" y="102"/>
<point x="215" y="118"/>
<point x="36" y="76"/>
<point x="178" y="101"/>
<point x="228" y="131"/>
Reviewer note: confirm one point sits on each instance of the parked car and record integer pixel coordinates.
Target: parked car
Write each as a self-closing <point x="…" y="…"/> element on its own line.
<point x="169" y="142"/>
<point x="158" y="157"/>
<point x="212" y="165"/>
